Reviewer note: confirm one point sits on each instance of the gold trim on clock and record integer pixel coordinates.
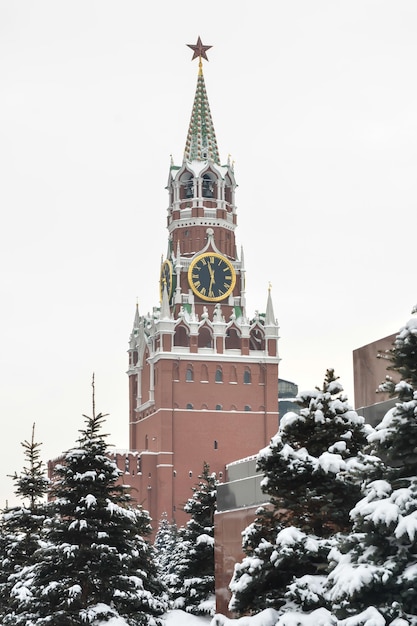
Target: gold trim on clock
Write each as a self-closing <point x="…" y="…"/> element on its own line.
<point x="211" y="276"/>
<point x="166" y="278"/>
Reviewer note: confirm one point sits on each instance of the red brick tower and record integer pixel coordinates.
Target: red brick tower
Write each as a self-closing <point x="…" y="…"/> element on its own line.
<point x="203" y="376"/>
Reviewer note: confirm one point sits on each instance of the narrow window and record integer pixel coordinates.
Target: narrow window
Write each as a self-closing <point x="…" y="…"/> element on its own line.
<point x="188" y="188"/>
<point x="204" y="373"/>
<point x="189" y="376"/>
<point x="216" y="444"/>
<point x="175" y="372"/>
<point x="219" y="375"/>
<point x="246" y="377"/>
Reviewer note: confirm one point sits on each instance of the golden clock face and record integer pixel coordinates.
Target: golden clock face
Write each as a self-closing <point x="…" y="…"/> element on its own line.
<point x="166" y="279"/>
<point x="211" y="276"/>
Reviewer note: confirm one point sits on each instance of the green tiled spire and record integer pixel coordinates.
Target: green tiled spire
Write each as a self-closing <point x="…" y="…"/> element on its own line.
<point x="201" y="139"/>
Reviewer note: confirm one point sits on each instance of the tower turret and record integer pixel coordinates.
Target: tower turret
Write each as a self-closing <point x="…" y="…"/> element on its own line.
<point x="202" y="212"/>
<point x="203" y="376"/>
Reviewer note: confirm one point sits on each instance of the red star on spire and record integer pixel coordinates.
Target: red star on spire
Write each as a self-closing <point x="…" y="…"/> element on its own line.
<point x="199" y="50"/>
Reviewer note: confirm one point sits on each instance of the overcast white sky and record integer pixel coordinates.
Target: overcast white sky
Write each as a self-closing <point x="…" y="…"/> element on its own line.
<point x="315" y="101"/>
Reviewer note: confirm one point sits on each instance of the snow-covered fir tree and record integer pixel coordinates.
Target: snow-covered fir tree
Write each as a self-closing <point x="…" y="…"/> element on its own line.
<point x="311" y="490"/>
<point x="164" y="544"/>
<point x="256" y="580"/>
<point x="190" y="577"/>
<point x="21" y="525"/>
<point x="96" y="563"/>
<point x="377" y="565"/>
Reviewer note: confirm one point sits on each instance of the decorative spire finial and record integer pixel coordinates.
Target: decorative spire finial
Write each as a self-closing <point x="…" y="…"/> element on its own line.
<point x="269" y="315"/>
<point x="199" y="50"/>
<point x="201" y="144"/>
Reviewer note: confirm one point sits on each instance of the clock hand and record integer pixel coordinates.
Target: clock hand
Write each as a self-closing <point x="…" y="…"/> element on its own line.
<point x="211" y="272"/>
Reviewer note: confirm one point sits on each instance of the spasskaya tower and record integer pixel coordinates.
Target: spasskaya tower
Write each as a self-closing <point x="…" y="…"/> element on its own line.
<point x="203" y="375"/>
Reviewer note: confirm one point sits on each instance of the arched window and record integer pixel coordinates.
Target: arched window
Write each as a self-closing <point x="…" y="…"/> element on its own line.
<point x="228" y="194"/>
<point x="175" y="372"/>
<point x="189" y="406"/>
<point x="257" y="339"/>
<point x="216" y="444"/>
<point x="208" y="186"/>
<point x="189" y="374"/>
<point x="204" y="373"/>
<point x="181" y="337"/>
<point x="187" y="186"/>
<point x="190" y="474"/>
<point x="218" y="407"/>
<point x="246" y="377"/>
<point x="247" y="407"/>
<point x="205" y="337"/>
<point x="219" y="375"/>
<point x="232" y="339"/>
<point x="233" y="374"/>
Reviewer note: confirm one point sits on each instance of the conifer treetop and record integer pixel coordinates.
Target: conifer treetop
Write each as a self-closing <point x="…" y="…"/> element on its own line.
<point x="31" y="483"/>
